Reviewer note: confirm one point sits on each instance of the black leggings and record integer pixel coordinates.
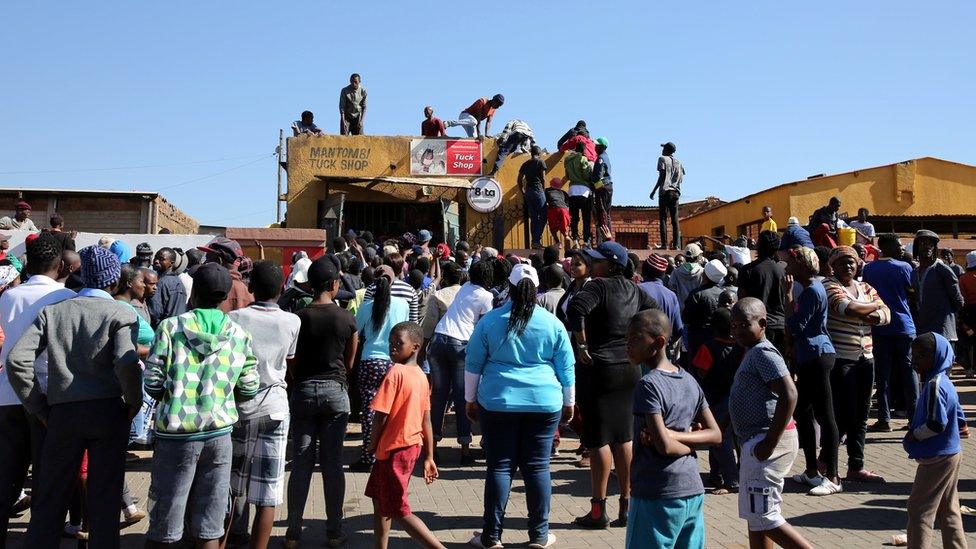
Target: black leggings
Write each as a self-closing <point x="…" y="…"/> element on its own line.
<point x="852" y="382"/>
<point x="815" y="402"/>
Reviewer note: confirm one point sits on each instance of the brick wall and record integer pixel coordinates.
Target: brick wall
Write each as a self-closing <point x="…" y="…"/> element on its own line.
<point x="637" y="227"/>
<point x="173" y="219"/>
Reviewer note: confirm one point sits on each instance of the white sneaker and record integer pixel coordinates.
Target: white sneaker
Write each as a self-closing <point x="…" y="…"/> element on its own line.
<point x="550" y="541"/>
<point x="814" y="481"/>
<point x="825" y="488"/>
<point x="476" y="542"/>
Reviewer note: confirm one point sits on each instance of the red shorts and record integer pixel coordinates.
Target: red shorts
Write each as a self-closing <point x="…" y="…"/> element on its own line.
<point x="558" y="219"/>
<point x="388" y="481"/>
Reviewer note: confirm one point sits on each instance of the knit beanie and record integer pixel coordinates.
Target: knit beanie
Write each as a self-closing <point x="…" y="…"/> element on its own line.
<point x="100" y="268"/>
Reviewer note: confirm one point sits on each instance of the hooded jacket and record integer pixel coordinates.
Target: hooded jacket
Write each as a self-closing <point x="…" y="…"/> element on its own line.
<point x="938" y="413"/>
<point x="199" y="363"/>
<point x="578" y="169"/>
<point x="686" y="279"/>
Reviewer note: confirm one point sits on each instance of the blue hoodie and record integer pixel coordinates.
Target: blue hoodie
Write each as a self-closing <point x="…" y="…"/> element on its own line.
<point x="938" y="413"/>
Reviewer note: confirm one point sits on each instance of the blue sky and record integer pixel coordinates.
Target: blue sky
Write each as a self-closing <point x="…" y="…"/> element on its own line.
<point x="754" y="94"/>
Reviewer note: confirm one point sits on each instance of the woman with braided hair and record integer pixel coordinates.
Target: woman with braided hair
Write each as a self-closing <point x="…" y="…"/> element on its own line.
<point x="518" y="382"/>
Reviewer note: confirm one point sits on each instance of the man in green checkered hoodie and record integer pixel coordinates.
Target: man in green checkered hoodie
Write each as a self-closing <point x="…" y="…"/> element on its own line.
<point x="200" y="363"/>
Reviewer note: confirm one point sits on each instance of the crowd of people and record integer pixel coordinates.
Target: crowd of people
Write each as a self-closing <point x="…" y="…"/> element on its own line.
<point x="223" y="365"/>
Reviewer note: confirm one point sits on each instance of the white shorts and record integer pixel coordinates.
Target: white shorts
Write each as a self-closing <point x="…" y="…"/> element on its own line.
<point x="761" y="482"/>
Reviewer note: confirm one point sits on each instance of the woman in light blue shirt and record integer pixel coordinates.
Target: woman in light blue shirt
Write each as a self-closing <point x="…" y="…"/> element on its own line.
<point x="375" y="320"/>
<point x="519" y="380"/>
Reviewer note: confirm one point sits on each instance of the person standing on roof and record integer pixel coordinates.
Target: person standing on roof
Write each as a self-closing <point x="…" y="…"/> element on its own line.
<point x="352" y="107"/>
<point x="603" y="191"/>
<point x="532" y="181"/>
<point x="431" y="126"/>
<point x="670" y="173"/>
<point x="471" y="117"/>
<point x="579" y="171"/>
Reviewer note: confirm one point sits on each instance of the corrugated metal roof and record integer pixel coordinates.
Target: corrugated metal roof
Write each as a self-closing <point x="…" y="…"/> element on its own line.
<point x="77" y="191"/>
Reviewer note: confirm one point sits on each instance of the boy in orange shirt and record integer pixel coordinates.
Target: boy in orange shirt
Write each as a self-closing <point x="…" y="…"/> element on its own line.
<point x="401" y="427"/>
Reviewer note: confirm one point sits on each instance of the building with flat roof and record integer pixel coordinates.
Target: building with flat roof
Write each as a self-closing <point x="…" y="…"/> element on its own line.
<point x="924" y="193"/>
<point x="94" y="211"/>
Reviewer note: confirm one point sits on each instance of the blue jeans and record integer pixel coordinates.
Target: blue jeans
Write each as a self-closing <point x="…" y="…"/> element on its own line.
<point x="319" y="414"/>
<point x="520" y="440"/>
<point x="721" y="457"/>
<point x="893" y="356"/>
<point x="446" y="358"/>
<point x="190" y="483"/>
<point x="535" y="202"/>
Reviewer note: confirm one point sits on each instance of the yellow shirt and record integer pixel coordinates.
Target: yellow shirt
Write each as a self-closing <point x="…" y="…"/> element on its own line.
<point x="768" y="225"/>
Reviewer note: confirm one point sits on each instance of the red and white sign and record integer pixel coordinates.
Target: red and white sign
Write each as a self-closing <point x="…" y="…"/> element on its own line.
<point x="445" y="157"/>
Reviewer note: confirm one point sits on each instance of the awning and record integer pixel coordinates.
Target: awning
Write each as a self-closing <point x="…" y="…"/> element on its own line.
<point x="453" y="182"/>
<point x="412" y="189"/>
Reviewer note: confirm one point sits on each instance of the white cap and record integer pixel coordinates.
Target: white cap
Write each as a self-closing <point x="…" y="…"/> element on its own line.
<point x="390" y="250"/>
<point x="299" y="270"/>
<point x="971" y="259"/>
<point x="693" y="250"/>
<point x="792" y="221"/>
<point x="715" y="271"/>
<point x="523" y="271"/>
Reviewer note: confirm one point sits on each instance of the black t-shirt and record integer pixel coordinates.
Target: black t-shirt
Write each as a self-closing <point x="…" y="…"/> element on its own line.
<point x="557" y="198"/>
<point x="534" y="170"/>
<point x="64" y="240"/>
<point x="763" y="280"/>
<point x="321" y="350"/>
<point x="606" y="305"/>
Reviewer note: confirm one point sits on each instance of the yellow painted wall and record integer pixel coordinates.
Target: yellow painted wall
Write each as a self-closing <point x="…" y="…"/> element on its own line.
<point x="312" y="157"/>
<point x="925" y="186"/>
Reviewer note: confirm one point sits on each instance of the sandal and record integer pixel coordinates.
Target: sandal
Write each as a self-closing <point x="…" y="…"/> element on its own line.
<point x="865" y="476"/>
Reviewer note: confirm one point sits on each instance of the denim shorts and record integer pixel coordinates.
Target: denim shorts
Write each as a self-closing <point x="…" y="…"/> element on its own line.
<point x="179" y="465"/>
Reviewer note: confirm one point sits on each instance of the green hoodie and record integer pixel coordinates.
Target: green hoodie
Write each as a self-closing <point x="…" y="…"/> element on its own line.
<point x="199" y="362"/>
<point x="579" y="171"/>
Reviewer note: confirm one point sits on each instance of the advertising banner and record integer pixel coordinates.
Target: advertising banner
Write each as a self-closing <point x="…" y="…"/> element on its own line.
<point x="445" y="157"/>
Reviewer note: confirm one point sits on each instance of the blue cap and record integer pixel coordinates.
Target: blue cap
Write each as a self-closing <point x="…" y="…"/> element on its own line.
<point x="424" y="236"/>
<point x="610" y="251"/>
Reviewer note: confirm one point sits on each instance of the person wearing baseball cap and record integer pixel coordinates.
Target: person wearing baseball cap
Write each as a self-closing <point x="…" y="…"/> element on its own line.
<point x="670" y="174"/>
<point x="519" y="383"/>
<point x="229" y="254"/>
<point x="201" y="363"/>
<point x="602" y="191"/>
<point x="94" y="389"/>
<point x="21" y="220"/>
<point x="598" y="317"/>
<point x="652" y="271"/>
<point x="687" y="277"/>
<point x="471" y="117"/>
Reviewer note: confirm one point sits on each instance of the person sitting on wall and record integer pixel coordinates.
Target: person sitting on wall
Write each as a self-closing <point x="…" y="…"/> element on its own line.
<point x="516" y="138"/>
<point x="352" y="107"/>
<point x="431" y="126"/>
<point x="305" y="125"/>
<point x="21" y="220"/>
<point x="826" y="214"/>
<point x="471" y="117"/>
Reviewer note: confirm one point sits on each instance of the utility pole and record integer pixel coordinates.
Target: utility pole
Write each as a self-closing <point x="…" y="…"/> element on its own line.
<point x="281" y="142"/>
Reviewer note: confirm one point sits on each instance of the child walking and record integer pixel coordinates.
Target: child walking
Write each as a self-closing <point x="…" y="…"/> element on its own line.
<point x="557" y="212"/>
<point x="933" y="441"/>
<point x="761" y="405"/>
<point x="673" y="419"/>
<point x="401" y="428"/>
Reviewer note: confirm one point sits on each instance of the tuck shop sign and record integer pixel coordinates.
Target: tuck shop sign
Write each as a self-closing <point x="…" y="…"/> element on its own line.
<point x="484" y="195"/>
<point x="445" y="157"/>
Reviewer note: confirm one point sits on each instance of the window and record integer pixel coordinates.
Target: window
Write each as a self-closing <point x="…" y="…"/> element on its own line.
<point x="632" y="241"/>
<point x="718" y="232"/>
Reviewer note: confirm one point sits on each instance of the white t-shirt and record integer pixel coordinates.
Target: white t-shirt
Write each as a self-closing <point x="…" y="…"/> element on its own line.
<point x="866" y="227"/>
<point x="470" y="304"/>
<point x="274" y="336"/>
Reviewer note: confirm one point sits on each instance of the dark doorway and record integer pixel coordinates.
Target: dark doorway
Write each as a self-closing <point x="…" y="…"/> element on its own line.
<point x="392" y="219"/>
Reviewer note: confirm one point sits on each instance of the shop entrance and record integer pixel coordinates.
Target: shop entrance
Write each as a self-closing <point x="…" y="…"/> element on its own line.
<point x="393" y="219"/>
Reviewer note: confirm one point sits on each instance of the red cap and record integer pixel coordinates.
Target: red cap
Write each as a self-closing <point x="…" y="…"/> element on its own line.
<point x="22" y="205"/>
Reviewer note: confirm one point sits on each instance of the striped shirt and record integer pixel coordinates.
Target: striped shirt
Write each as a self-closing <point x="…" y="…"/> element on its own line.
<point x="851" y="337"/>
<point x="400" y="288"/>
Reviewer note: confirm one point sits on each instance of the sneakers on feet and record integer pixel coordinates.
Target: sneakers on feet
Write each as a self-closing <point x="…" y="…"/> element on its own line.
<point x="134" y="517"/>
<point x="549" y="542"/>
<point x="826" y="488"/>
<point x="484" y="542"/>
<point x="813" y="481"/>
<point x="336" y="540"/>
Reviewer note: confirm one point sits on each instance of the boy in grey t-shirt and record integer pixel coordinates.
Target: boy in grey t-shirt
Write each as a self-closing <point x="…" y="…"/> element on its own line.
<point x="260" y="436"/>
<point x="768" y="435"/>
<point x="673" y="420"/>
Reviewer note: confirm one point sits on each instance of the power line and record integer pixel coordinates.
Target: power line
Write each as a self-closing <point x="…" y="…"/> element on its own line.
<point x="222" y="172"/>
<point x="122" y="168"/>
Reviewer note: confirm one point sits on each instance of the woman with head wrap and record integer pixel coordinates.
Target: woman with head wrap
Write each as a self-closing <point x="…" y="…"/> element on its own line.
<point x="806" y="321"/>
<point x="853" y="307"/>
